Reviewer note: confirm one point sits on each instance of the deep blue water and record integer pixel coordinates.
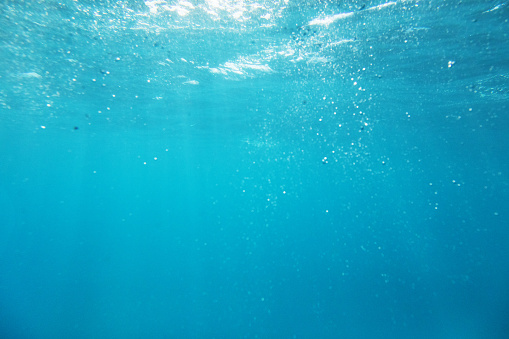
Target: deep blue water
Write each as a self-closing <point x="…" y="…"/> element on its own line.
<point x="254" y="169"/>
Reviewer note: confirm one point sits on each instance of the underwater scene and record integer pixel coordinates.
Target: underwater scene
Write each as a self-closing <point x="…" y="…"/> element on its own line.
<point x="254" y="169"/>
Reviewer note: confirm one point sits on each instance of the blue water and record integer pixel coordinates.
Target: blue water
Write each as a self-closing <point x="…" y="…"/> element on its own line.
<point x="254" y="169"/>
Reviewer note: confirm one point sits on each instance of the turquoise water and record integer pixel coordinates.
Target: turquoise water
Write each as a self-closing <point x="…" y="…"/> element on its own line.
<point x="254" y="169"/>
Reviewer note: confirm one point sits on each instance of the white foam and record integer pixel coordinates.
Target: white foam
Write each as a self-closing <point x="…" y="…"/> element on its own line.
<point x="329" y="19"/>
<point x="30" y="75"/>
